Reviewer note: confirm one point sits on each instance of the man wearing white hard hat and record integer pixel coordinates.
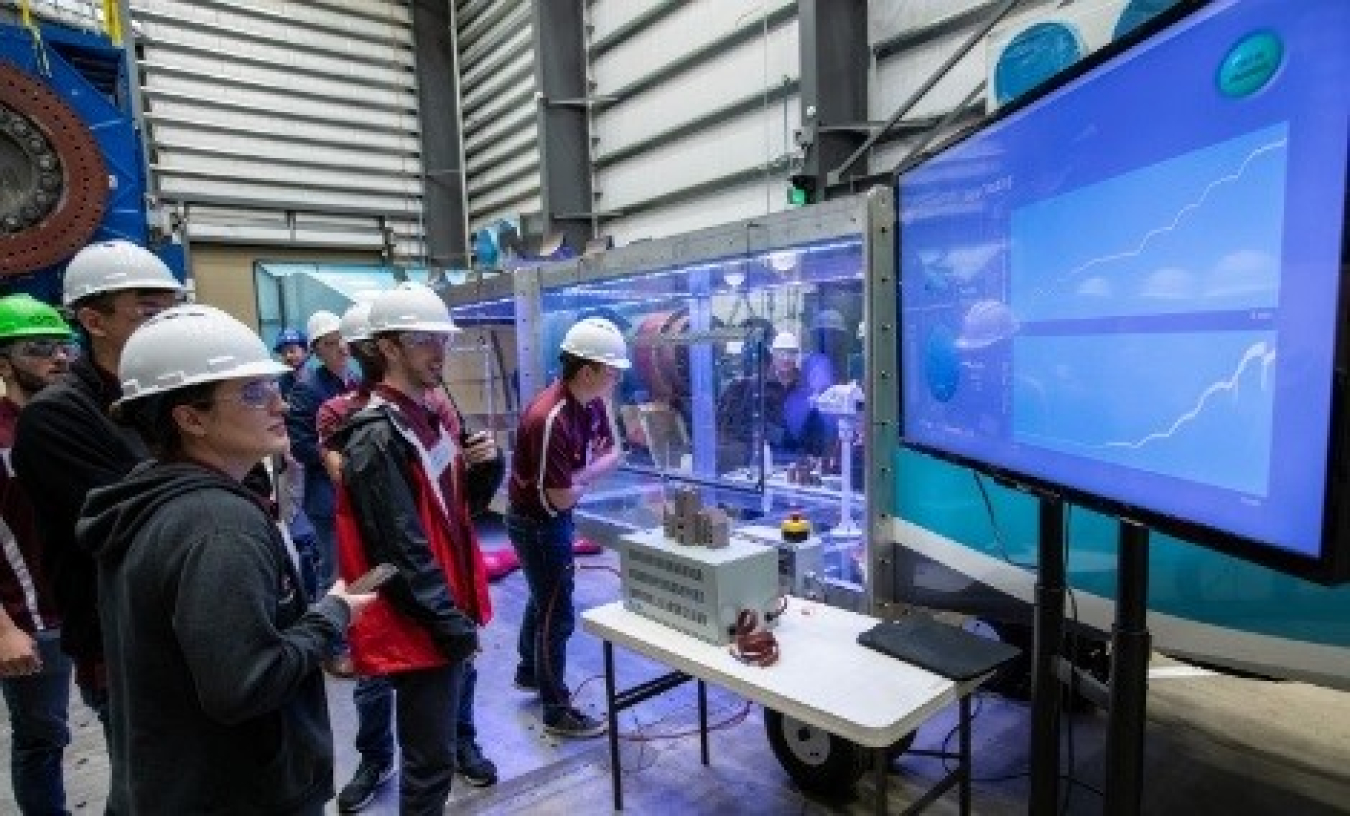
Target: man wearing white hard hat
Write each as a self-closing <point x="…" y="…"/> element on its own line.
<point x="66" y="444"/>
<point x="791" y="422"/>
<point x="313" y="387"/>
<point x="213" y="645"/>
<point x="402" y="501"/>
<point x="564" y="444"/>
<point x="373" y="696"/>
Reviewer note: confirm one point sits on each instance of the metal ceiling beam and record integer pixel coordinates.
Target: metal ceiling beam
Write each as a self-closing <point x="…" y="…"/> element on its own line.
<point x="564" y="120"/>
<point x="443" y="197"/>
<point x="834" y="60"/>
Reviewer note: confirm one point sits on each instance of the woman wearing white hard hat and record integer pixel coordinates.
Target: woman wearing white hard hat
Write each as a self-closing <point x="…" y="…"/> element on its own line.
<point x="213" y="648"/>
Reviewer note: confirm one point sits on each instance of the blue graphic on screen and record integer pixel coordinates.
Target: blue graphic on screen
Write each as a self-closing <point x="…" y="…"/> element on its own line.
<point x="1133" y="294"/>
<point x="1202" y="231"/>
<point x="1206" y="416"/>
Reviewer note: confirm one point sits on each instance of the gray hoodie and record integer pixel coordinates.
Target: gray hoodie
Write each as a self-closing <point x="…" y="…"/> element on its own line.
<point x="213" y="652"/>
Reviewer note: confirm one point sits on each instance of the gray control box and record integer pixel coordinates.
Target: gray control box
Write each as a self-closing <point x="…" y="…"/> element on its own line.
<point x="697" y="590"/>
<point x="801" y="564"/>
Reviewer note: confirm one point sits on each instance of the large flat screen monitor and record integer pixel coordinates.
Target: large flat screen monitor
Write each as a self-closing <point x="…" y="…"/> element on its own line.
<point x="1132" y="287"/>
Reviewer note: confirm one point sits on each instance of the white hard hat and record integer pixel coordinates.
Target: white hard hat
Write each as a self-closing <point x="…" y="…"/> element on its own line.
<point x="112" y="266"/>
<point x="785" y="341"/>
<point x="355" y="323"/>
<point x="320" y="323"/>
<point x="598" y="340"/>
<point x="410" y="307"/>
<point x="190" y="345"/>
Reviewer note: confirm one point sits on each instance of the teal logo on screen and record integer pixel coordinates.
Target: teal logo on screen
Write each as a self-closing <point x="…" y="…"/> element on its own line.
<point x="1250" y="64"/>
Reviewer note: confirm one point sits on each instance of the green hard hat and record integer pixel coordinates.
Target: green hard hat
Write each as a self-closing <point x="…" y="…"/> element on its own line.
<point x="25" y="316"/>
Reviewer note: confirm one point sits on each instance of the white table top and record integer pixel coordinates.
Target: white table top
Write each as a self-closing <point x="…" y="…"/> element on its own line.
<point x="823" y="677"/>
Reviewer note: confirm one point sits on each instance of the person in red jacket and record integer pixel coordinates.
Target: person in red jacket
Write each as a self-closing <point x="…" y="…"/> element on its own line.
<point x="402" y="501"/>
<point x="373" y="697"/>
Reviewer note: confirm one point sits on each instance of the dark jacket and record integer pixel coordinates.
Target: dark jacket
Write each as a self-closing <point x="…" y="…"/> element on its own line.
<point x="66" y="445"/>
<point x="313" y="387"/>
<point x="213" y="652"/>
<point x="388" y="513"/>
<point x="24" y="589"/>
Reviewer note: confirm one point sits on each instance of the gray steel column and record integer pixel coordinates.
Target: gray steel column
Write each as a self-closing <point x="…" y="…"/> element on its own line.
<point x="834" y="62"/>
<point x="444" y="225"/>
<point x="563" y="120"/>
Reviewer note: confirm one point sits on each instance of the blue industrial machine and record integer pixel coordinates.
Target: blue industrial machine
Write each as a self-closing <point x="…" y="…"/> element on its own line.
<point x="72" y="167"/>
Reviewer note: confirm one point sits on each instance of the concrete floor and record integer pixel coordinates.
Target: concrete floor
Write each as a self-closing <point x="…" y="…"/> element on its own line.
<point x="1216" y="745"/>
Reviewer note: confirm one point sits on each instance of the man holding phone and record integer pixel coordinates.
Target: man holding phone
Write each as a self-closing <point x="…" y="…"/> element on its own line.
<point x="402" y="501"/>
<point x="373" y="696"/>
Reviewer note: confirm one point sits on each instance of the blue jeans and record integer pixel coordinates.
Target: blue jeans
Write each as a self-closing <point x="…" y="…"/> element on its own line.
<point x="325" y="553"/>
<point x="307" y="551"/>
<point x="374" y="698"/>
<point x="545" y="552"/>
<point x="37" y="715"/>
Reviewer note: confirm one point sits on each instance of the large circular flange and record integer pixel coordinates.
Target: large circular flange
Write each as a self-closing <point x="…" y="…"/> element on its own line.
<point x="53" y="182"/>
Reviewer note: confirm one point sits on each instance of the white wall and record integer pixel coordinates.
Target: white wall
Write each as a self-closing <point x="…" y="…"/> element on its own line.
<point x="497" y="85"/>
<point x="753" y="143"/>
<point x="285" y="105"/>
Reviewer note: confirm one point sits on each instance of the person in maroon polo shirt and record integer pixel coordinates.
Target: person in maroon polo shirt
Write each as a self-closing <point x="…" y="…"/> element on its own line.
<point x="36" y="347"/>
<point x="402" y="501"/>
<point x="563" y="445"/>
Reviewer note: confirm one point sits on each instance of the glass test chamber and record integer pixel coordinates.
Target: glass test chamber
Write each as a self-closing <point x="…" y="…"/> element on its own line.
<point x="747" y="345"/>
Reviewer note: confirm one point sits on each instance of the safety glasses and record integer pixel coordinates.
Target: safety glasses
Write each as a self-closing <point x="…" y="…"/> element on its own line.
<point x="254" y="393"/>
<point x="47" y="349"/>
<point x="430" y="340"/>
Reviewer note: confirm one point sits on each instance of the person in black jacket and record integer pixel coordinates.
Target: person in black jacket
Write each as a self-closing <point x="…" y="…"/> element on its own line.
<point x="212" y="644"/>
<point x="374" y="696"/>
<point x="402" y="501"/>
<point x="66" y="445"/>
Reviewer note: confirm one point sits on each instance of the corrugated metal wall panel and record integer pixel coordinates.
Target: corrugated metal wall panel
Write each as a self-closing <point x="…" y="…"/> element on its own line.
<point x="697" y="103"/>
<point x="286" y="105"/>
<point x="738" y="146"/>
<point x="496" y="66"/>
<point x="739" y="74"/>
<point x="710" y="208"/>
<point x="706" y="107"/>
